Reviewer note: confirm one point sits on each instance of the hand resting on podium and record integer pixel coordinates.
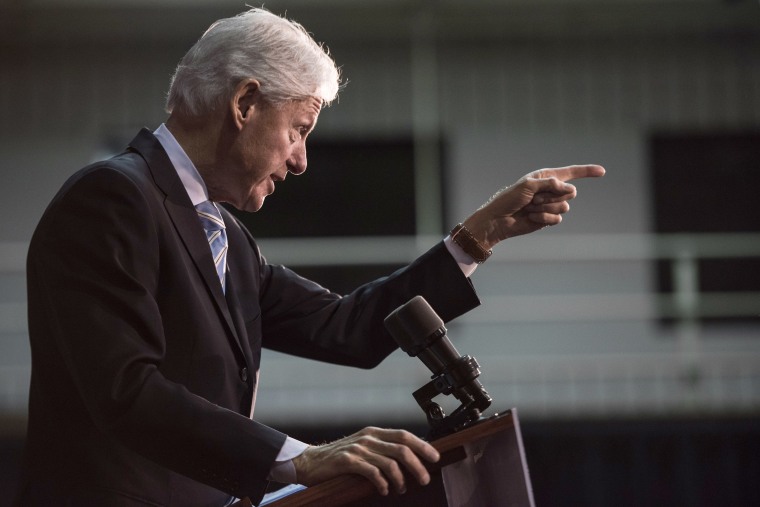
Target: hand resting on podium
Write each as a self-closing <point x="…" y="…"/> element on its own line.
<point x="375" y="453"/>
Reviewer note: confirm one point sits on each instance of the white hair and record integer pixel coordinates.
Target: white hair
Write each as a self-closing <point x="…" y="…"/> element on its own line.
<point x="277" y="52"/>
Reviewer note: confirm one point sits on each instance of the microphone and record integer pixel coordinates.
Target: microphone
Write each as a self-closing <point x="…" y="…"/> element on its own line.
<point x="420" y="332"/>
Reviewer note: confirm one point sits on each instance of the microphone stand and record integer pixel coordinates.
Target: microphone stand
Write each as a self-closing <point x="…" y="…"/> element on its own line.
<point x="459" y="378"/>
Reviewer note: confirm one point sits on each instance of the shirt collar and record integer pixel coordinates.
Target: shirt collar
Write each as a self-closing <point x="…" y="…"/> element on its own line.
<point x="188" y="174"/>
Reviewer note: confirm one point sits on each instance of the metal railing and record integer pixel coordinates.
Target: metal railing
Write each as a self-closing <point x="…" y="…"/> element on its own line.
<point x="683" y="367"/>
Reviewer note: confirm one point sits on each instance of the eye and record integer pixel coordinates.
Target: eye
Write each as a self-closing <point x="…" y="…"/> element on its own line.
<point x="299" y="133"/>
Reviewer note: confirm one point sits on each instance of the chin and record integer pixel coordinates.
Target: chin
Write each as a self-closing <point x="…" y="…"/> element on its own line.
<point x="253" y="204"/>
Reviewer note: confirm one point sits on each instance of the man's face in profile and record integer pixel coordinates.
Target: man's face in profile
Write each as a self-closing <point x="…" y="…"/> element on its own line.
<point x="270" y="144"/>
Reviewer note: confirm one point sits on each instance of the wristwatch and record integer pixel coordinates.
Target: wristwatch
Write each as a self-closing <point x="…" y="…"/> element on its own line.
<point x="471" y="246"/>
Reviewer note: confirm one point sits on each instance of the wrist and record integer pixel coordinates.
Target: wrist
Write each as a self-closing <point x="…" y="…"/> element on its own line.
<point x="298" y="467"/>
<point x="482" y="227"/>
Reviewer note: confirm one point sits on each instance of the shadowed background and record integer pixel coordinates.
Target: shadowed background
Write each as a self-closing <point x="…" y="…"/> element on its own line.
<point x="628" y="337"/>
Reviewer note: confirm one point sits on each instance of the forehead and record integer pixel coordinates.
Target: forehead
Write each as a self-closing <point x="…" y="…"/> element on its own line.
<point x="301" y="111"/>
<point x="310" y="106"/>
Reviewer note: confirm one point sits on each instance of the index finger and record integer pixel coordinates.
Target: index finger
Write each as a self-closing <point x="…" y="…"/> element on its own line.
<point x="572" y="172"/>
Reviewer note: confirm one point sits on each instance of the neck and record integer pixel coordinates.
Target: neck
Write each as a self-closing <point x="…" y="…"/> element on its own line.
<point x="196" y="138"/>
<point x="202" y="140"/>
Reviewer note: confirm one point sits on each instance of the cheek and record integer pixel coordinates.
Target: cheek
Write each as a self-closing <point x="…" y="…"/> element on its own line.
<point x="240" y="157"/>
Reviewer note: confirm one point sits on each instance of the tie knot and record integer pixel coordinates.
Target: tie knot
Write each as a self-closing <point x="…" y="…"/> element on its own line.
<point x="210" y="216"/>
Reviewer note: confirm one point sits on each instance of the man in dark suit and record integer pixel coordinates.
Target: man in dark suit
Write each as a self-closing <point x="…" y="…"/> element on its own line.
<point x="146" y="337"/>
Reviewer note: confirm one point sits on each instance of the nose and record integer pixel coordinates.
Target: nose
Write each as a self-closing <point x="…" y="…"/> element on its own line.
<point x="297" y="161"/>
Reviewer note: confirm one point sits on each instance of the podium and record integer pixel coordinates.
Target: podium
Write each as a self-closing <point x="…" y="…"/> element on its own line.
<point x="481" y="465"/>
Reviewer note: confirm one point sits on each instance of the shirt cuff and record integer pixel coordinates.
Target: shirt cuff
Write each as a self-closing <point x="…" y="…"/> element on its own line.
<point x="283" y="470"/>
<point x="466" y="263"/>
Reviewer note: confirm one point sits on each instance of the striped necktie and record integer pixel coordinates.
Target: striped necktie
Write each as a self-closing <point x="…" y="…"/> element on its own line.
<point x="213" y="224"/>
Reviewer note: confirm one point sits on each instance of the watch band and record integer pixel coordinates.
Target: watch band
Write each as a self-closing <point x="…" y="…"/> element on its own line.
<point x="471" y="246"/>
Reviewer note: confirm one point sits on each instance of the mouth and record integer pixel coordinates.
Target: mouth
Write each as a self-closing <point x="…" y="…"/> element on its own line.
<point x="275" y="179"/>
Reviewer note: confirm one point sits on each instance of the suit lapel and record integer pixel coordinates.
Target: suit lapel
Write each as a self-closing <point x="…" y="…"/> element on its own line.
<point x="185" y="220"/>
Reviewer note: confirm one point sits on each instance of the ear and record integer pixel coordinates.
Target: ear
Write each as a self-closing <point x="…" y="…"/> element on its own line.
<point x="246" y="97"/>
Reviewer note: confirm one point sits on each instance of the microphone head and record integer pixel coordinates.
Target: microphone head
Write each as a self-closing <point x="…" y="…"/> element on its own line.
<point x="412" y="323"/>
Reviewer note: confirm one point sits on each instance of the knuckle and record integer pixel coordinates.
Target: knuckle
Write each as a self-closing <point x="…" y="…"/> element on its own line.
<point x="405" y="454"/>
<point x="402" y="435"/>
<point x="363" y="441"/>
<point x="345" y="458"/>
<point x="369" y="430"/>
<point x="352" y="450"/>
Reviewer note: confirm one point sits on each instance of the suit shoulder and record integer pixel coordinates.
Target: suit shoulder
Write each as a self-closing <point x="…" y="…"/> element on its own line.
<point x="124" y="173"/>
<point x="127" y="165"/>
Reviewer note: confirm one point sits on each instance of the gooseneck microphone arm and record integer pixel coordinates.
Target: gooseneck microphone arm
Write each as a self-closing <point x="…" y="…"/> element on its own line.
<point x="420" y="332"/>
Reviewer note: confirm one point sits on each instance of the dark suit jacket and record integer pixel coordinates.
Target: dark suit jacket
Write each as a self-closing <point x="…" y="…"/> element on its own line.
<point x="143" y="372"/>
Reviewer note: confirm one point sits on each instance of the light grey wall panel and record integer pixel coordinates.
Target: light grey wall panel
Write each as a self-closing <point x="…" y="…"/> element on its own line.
<point x="483" y="161"/>
<point x="597" y="85"/>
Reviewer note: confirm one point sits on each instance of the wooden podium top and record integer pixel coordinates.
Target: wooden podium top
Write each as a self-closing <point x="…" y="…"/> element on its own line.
<point x="351" y="488"/>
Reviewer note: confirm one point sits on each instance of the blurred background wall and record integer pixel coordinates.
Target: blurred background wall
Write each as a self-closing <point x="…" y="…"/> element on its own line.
<point x="628" y="338"/>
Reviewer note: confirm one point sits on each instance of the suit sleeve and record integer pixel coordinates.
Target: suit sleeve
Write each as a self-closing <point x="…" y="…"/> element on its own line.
<point x="93" y="271"/>
<point x="305" y="319"/>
